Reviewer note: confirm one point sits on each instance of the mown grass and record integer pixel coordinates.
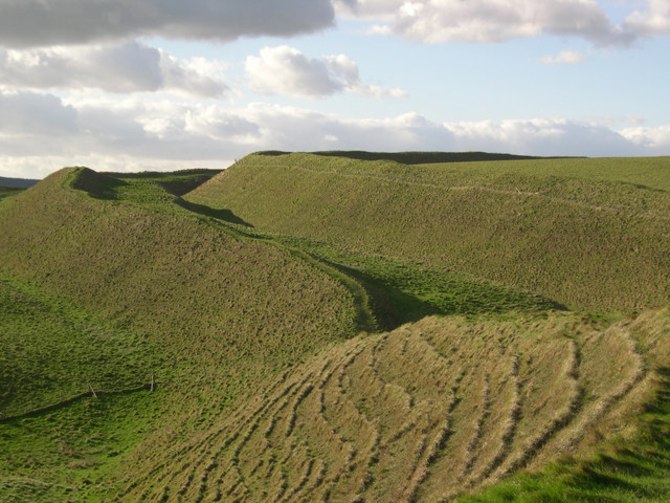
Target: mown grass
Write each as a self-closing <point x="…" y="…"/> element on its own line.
<point x="421" y="413"/>
<point x="626" y="471"/>
<point x="587" y="233"/>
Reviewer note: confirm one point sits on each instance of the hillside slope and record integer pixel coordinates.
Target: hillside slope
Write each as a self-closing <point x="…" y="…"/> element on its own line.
<point x="587" y="233"/>
<point x="423" y="413"/>
<point x="224" y="314"/>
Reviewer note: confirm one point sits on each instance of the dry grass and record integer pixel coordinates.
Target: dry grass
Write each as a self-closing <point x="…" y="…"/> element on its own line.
<point x="418" y="414"/>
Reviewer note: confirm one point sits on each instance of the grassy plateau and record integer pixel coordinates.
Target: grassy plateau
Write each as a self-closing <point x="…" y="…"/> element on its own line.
<point x="339" y="326"/>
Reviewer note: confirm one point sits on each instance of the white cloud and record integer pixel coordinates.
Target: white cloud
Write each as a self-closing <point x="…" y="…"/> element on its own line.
<point x="564" y="58"/>
<point x="128" y="67"/>
<point x="26" y="23"/>
<point x="285" y="70"/>
<point x="653" y="20"/>
<point x="653" y="139"/>
<point x="436" y="21"/>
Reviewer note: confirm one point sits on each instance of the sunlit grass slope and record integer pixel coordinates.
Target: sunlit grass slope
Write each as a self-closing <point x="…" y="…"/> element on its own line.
<point x="423" y="413"/>
<point x="144" y="287"/>
<point x="587" y="233"/>
<point x="170" y="276"/>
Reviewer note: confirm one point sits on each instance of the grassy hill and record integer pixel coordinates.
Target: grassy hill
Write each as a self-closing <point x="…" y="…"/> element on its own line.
<point x="326" y="328"/>
<point x="144" y="286"/>
<point x="586" y="233"/>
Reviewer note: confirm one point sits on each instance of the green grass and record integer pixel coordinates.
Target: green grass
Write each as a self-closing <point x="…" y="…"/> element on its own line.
<point x="628" y="471"/>
<point x="74" y="453"/>
<point x="403" y="291"/>
<point x="412" y="157"/>
<point x="226" y="314"/>
<point x="587" y="233"/>
<point x="52" y="351"/>
<point x="58" y="443"/>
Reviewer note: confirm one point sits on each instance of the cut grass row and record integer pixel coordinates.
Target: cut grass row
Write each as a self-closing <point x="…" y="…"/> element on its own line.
<point x="634" y="470"/>
<point x="423" y="413"/>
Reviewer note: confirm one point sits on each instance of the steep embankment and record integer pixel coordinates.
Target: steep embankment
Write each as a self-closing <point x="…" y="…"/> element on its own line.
<point x="223" y="314"/>
<point x="422" y="413"/>
<point x="172" y="277"/>
<point x="591" y="234"/>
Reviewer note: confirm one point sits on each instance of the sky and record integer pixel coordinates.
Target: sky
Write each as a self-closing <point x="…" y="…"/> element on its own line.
<point x="124" y="85"/>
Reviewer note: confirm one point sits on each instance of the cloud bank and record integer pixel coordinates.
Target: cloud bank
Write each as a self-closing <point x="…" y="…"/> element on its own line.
<point x="438" y="21"/>
<point x="122" y="68"/>
<point x="30" y="23"/>
<point x="44" y="133"/>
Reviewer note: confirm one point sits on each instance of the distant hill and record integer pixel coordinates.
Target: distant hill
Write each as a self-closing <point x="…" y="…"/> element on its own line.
<point x="19" y="183"/>
<point x="587" y="233"/>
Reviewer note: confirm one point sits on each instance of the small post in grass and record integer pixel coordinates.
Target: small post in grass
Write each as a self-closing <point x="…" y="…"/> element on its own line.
<point x="90" y="388"/>
<point x="152" y="382"/>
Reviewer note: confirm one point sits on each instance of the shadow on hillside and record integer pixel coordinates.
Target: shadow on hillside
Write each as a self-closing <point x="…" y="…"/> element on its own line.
<point x="391" y="306"/>
<point x="98" y="185"/>
<point x="222" y="214"/>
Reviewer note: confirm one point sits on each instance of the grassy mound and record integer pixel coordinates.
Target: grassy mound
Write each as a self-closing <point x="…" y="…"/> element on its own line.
<point x="587" y="233"/>
<point x="213" y="315"/>
<point x="412" y="157"/>
<point x="422" y="413"/>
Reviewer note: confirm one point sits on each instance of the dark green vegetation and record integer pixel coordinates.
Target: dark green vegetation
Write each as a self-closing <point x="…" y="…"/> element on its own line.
<point x="587" y="233"/>
<point x="52" y="351"/>
<point x="242" y="293"/>
<point x="8" y="191"/>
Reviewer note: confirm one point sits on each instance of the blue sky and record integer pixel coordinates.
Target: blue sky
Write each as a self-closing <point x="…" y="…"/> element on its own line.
<point x="159" y="87"/>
